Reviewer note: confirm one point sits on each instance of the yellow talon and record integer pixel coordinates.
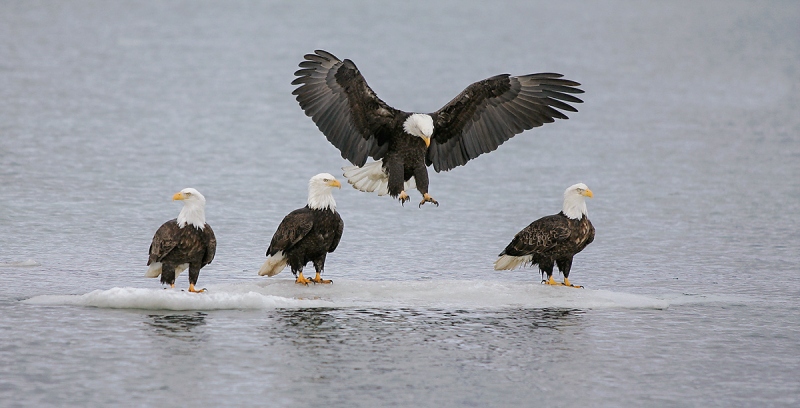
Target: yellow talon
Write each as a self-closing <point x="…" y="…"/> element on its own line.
<point x="403" y="197"/>
<point x="318" y="279"/>
<point x="426" y="198"/>
<point x="193" y="290"/>
<point x="551" y="281"/>
<point x="566" y="283"/>
<point x="302" y="280"/>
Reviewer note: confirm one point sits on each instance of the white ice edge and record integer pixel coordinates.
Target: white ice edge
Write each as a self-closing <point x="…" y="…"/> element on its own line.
<point x="284" y="293"/>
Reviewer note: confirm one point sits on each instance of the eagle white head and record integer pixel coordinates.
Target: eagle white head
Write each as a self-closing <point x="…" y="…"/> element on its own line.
<point x="319" y="192"/>
<point x="420" y="125"/>
<point x="194" y="208"/>
<point x="575" y="201"/>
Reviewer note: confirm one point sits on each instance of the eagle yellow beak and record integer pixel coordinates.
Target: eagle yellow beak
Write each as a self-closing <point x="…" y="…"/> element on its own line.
<point x="335" y="183"/>
<point x="588" y="193"/>
<point x="427" y="141"/>
<point x="178" y="196"/>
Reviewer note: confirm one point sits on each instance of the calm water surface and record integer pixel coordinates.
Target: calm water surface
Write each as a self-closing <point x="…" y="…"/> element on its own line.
<point x="689" y="137"/>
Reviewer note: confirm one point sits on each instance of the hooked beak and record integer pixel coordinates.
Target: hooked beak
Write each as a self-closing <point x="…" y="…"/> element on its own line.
<point x="178" y="196"/>
<point x="427" y="141"/>
<point x="588" y="193"/>
<point x="335" y="183"/>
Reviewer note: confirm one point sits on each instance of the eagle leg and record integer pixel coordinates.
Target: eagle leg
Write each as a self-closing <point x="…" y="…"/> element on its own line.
<point x="426" y="198"/>
<point x="566" y="283"/>
<point x="403" y="197"/>
<point x="193" y="290"/>
<point x="302" y="280"/>
<point x="318" y="279"/>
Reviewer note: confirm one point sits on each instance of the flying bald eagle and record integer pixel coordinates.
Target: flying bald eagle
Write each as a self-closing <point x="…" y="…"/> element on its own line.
<point x="184" y="242"/>
<point x="307" y="234"/>
<point x="486" y="114"/>
<point x="553" y="239"/>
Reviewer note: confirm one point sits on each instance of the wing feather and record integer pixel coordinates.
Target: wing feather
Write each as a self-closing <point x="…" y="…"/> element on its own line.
<point x="291" y="230"/>
<point x="211" y="245"/>
<point x="345" y="109"/>
<point x="489" y="112"/>
<point x="539" y="237"/>
<point x="165" y="239"/>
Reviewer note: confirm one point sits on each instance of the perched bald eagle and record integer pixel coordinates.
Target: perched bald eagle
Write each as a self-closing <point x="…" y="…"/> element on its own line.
<point x="307" y="234"/>
<point x="486" y="114"/>
<point x="553" y="239"/>
<point x="184" y="242"/>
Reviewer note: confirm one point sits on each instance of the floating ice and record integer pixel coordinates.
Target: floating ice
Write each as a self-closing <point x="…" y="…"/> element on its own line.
<point x="283" y="293"/>
<point x="26" y="263"/>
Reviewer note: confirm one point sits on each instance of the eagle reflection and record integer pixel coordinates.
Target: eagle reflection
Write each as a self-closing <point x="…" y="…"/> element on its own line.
<point x="178" y="326"/>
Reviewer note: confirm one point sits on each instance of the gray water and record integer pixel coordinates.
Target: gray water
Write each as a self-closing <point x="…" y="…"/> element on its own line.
<point x="689" y="137"/>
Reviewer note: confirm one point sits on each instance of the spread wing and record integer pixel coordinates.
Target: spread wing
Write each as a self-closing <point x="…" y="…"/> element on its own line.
<point x="489" y="112"/>
<point x="291" y="230"/>
<point x="166" y="238"/>
<point x="539" y="237"/>
<point x="337" y="98"/>
<point x="338" y="236"/>
<point x="211" y="245"/>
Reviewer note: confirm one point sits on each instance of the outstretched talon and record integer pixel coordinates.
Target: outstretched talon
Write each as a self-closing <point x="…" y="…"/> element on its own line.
<point x="193" y="290"/>
<point x="302" y="280"/>
<point x="403" y="197"/>
<point x="426" y="198"/>
<point x="318" y="279"/>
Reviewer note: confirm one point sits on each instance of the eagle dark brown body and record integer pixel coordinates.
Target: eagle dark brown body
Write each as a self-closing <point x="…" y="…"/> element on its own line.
<point x="307" y="235"/>
<point x="554" y="239"/>
<point x="174" y="246"/>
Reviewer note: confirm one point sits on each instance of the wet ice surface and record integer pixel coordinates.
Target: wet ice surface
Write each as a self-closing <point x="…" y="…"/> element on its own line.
<point x="688" y="137"/>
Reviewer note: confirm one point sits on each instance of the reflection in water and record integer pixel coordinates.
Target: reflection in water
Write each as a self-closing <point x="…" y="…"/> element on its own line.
<point x="325" y="344"/>
<point x="178" y="326"/>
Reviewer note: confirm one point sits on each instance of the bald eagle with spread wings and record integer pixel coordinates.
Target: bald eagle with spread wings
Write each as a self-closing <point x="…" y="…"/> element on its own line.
<point x="482" y="117"/>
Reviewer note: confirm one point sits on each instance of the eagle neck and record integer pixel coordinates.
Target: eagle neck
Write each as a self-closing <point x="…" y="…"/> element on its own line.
<point x="320" y="198"/>
<point x="192" y="213"/>
<point x="574" y="206"/>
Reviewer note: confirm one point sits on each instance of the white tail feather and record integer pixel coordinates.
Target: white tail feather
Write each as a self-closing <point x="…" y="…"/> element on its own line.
<point x="507" y="262"/>
<point x="154" y="270"/>
<point x="372" y="178"/>
<point x="273" y="265"/>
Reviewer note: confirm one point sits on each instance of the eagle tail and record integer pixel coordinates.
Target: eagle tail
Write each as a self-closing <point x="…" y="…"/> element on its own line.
<point x="371" y="178"/>
<point x="508" y="262"/>
<point x="273" y="265"/>
<point x="153" y="271"/>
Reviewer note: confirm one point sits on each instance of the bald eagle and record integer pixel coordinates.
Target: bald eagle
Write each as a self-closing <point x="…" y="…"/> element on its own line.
<point x="486" y="114"/>
<point x="553" y="239"/>
<point x="184" y="242"/>
<point x="307" y="234"/>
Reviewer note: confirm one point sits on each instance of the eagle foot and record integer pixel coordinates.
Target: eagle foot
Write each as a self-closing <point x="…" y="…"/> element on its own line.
<point x="193" y="290"/>
<point x="403" y="197"/>
<point x="426" y="198"/>
<point x="302" y="280"/>
<point x="552" y="282"/>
